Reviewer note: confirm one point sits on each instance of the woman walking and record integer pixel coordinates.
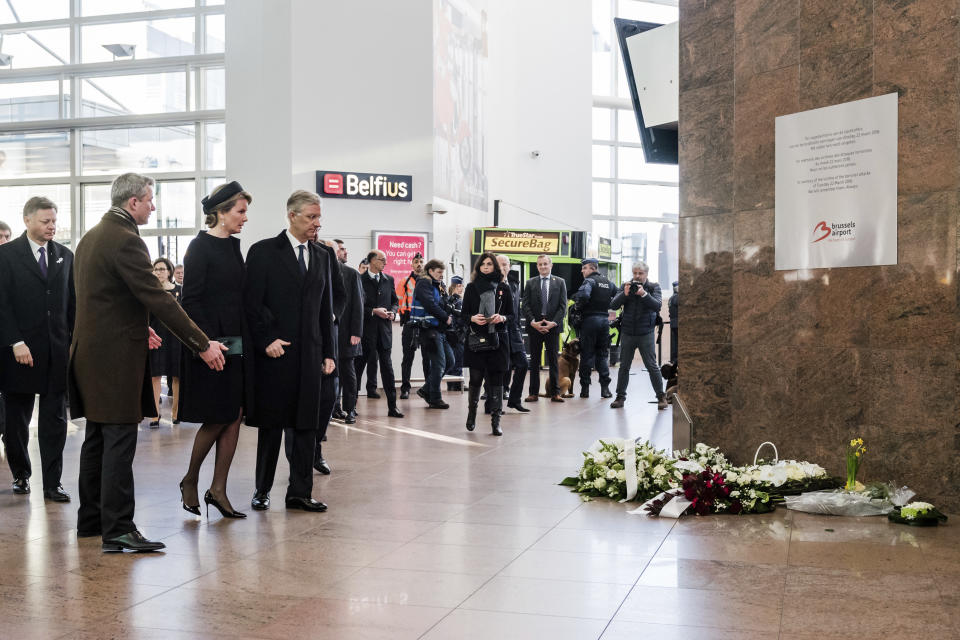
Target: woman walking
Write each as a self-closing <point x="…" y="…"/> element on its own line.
<point x="165" y="361"/>
<point x="487" y="303"/>
<point x="213" y="298"/>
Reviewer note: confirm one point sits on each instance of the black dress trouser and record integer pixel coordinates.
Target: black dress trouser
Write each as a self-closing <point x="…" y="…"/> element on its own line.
<point x="51" y="435"/>
<point x="550" y="343"/>
<point x="347" y="370"/>
<point x="299" y="445"/>
<point x="106" y="479"/>
<point x="382" y="356"/>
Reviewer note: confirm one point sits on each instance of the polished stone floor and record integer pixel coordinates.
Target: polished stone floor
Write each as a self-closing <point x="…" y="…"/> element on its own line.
<point x="434" y="532"/>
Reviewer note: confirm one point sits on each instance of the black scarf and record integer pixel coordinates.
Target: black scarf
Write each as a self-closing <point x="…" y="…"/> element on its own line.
<point x="487" y="281"/>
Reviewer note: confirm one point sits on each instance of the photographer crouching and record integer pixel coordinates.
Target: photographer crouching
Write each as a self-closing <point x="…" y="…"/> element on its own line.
<point x="641" y="300"/>
<point x="429" y="314"/>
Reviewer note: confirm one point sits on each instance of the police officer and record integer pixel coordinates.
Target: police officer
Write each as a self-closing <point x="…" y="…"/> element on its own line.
<point x="593" y="300"/>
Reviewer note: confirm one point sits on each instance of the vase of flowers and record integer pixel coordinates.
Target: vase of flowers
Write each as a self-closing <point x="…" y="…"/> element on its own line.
<point x="855" y="452"/>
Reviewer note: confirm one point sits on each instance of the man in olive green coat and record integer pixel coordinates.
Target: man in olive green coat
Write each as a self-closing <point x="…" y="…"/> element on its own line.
<point x="109" y="373"/>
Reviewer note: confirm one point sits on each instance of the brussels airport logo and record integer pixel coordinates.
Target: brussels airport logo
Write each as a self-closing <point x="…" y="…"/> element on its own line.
<point x="365" y="186"/>
<point x="834" y="231"/>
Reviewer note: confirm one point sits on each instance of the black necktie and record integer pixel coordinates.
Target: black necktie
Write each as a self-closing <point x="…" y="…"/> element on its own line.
<point x="303" y="263"/>
<point x="43" y="261"/>
<point x="544" y="295"/>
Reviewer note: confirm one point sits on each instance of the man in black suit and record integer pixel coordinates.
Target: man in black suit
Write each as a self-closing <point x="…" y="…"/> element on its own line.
<point x="544" y="306"/>
<point x="380" y="305"/>
<point x="5" y="233"/>
<point x="289" y="307"/>
<point x="37" y="309"/>
<point x="330" y="382"/>
<point x="349" y="337"/>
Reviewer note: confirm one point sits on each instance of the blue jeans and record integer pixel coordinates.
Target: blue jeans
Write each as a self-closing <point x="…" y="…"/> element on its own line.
<point x="645" y="345"/>
<point x="435" y="350"/>
<point x="595" y="349"/>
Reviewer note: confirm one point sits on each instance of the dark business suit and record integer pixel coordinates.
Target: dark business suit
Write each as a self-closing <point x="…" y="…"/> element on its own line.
<point x="378" y="332"/>
<point x="281" y="302"/>
<point x="38" y="310"/>
<point x="351" y="324"/>
<point x="533" y="309"/>
<point x="330" y="382"/>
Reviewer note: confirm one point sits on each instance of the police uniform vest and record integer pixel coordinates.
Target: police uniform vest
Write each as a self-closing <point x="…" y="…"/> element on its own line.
<point x="600" y="295"/>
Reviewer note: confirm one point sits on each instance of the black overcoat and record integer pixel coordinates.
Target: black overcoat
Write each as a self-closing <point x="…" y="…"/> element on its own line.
<point x="351" y="324"/>
<point x="497" y="361"/>
<point x="213" y="298"/>
<point x="378" y="332"/>
<point x="338" y="293"/>
<point x="38" y="311"/>
<point x="281" y="303"/>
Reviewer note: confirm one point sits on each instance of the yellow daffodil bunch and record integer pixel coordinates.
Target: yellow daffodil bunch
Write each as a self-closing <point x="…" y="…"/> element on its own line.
<point x="855" y="452"/>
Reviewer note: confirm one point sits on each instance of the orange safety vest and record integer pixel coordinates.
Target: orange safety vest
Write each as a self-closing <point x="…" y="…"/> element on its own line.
<point x="405" y="293"/>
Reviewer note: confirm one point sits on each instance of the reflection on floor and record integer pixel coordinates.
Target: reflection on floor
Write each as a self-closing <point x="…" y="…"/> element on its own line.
<point x="434" y="532"/>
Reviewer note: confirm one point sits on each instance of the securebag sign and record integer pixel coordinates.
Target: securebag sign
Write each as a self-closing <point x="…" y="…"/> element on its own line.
<point x="836" y="186"/>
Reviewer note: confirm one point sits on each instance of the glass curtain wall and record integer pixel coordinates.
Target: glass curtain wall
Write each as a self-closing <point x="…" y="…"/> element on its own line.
<point x="636" y="204"/>
<point x="90" y="89"/>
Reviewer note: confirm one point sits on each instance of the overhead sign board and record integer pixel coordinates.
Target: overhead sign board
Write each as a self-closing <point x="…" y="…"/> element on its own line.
<point x="365" y="186"/>
<point x="400" y="247"/>
<point x="522" y="242"/>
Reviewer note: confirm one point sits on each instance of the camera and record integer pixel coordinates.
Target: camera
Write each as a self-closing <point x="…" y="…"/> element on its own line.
<point x="420" y="323"/>
<point x="635" y="286"/>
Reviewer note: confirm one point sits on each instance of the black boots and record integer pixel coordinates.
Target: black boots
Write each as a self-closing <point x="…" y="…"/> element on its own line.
<point x="473" y="400"/>
<point x="605" y="391"/>
<point x="495" y="395"/>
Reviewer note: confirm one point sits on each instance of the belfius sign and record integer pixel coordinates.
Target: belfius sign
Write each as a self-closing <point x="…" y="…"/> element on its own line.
<point x="365" y="186"/>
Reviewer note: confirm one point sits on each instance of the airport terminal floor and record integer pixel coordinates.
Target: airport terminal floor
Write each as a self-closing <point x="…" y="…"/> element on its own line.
<point x="433" y="532"/>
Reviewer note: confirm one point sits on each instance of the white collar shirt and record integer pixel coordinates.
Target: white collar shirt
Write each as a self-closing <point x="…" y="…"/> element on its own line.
<point x="36" y="250"/>
<point x="296" y="252"/>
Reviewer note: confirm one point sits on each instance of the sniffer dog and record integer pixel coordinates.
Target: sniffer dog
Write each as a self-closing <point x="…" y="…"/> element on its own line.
<point x="568" y="366"/>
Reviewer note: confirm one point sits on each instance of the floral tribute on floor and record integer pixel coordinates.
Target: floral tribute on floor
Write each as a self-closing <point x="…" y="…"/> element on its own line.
<point x="702" y="481"/>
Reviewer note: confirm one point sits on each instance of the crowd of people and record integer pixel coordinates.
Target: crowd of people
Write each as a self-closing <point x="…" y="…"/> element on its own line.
<point x="278" y="340"/>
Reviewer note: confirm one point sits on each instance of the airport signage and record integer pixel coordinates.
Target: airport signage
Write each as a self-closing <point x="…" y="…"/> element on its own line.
<point x="522" y="242"/>
<point x="365" y="186"/>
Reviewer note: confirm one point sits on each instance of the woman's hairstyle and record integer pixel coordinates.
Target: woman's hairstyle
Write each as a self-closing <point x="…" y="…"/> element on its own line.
<point x="434" y="264"/>
<point x="475" y="272"/>
<point x="169" y="266"/>
<point x="214" y="213"/>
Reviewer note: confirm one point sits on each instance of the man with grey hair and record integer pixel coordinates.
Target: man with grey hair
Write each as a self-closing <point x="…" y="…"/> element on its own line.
<point x="641" y="300"/>
<point x="37" y="306"/>
<point x="289" y="305"/>
<point x="109" y="372"/>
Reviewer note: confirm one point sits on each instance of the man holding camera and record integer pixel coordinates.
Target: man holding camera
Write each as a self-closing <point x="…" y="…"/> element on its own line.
<point x="641" y="300"/>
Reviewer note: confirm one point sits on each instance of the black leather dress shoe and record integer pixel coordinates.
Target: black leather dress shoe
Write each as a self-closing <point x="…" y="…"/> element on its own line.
<point x="305" y="504"/>
<point x="405" y="394"/>
<point x="21" y="486"/>
<point x="519" y="407"/>
<point x="422" y="392"/>
<point x="133" y="541"/>
<point x="349" y="420"/>
<point x="321" y="466"/>
<point x="57" y="494"/>
<point x="261" y="501"/>
<point x="393" y="413"/>
<point x="438" y="404"/>
<point x="338" y="414"/>
<point x="373" y="395"/>
<point x="354" y="414"/>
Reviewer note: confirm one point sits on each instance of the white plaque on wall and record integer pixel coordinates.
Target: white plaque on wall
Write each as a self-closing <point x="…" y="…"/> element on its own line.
<point x="836" y="198"/>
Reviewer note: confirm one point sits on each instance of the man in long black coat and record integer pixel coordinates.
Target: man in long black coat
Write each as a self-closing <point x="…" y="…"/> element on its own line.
<point x="349" y="335"/>
<point x="37" y="310"/>
<point x="289" y="307"/>
<point x="330" y="382"/>
<point x="380" y="305"/>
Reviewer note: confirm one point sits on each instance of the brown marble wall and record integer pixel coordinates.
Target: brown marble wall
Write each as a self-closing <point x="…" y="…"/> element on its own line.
<point x="809" y="359"/>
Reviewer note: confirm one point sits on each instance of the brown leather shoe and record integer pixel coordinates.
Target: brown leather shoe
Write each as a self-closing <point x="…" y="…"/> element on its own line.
<point x="531" y="398"/>
<point x="661" y="403"/>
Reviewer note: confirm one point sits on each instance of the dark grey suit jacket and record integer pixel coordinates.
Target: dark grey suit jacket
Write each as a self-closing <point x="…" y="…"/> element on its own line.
<point x="531" y="304"/>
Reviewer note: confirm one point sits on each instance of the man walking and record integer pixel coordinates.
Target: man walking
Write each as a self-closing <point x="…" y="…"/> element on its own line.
<point x="593" y="299"/>
<point x="330" y="383"/>
<point x="289" y="307"/>
<point x="544" y="306"/>
<point x="641" y="301"/>
<point x="379" y="309"/>
<point x="37" y="309"/>
<point x="109" y="376"/>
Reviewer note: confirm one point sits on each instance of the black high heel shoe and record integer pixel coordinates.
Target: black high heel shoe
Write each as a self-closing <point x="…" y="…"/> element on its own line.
<point x="210" y="500"/>
<point x="195" y="510"/>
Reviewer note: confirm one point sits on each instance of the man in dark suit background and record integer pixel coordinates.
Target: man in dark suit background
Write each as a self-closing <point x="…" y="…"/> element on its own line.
<point x="349" y="336"/>
<point x="5" y="233"/>
<point x="109" y="375"/>
<point x="37" y="309"/>
<point x="289" y="307"/>
<point x="330" y="383"/>
<point x="544" y="306"/>
<point x="380" y="305"/>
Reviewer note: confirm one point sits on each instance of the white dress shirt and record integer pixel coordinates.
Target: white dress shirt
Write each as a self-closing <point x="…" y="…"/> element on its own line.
<point x="296" y="252"/>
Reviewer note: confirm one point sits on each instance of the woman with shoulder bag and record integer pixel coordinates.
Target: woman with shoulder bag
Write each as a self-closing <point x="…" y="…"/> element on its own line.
<point x="487" y="303"/>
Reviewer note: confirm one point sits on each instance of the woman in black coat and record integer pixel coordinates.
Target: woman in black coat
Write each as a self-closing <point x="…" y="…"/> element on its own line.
<point x="213" y="298"/>
<point x="487" y="303"/>
<point x="165" y="361"/>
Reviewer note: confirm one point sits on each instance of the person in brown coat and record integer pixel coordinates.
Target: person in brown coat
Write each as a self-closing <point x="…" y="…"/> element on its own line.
<point x="109" y="375"/>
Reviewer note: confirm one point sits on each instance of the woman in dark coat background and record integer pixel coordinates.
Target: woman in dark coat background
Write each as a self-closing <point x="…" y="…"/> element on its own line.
<point x="487" y="303"/>
<point x="213" y="298"/>
<point x="165" y="361"/>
